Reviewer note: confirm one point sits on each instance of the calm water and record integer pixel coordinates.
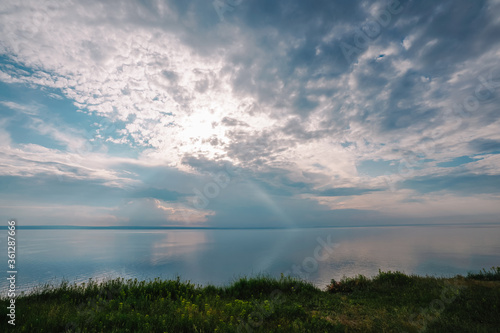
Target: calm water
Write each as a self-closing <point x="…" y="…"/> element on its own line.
<point x="220" y="256"/>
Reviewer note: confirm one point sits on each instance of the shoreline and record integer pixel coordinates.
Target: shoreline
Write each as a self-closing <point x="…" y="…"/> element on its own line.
<point x="389" y="301"/>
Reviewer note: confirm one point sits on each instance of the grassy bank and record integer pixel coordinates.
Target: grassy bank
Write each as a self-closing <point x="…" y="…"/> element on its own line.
<point x="390" y="302"/>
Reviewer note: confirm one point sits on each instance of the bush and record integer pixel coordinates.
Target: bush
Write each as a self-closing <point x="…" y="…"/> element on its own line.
<point x="397" y="279"/>
<point x="484" y="275"/>
<point x="347" y="285"/>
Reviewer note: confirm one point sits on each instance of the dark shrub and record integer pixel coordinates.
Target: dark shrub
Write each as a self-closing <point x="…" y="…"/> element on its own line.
<point x="493" y="274"/>
<point x="347" y="285"/>
<point x="392" y="278"/>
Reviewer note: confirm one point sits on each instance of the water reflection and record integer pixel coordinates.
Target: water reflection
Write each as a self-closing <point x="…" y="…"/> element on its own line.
<point x="439" y="250"/>
<point x="177" y="244"/>
<point x="220" y="256"/>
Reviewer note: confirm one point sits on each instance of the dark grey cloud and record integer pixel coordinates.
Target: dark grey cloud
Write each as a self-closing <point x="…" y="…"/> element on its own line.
<point x="295" y="127"/>
<point x="485" y="145"/>
<point x="228" y="121"/>
<point x="50" y="189"/>
<point x="467" y="184"/>
<point x="257" y="148"/>
<point x="461" y="29"/>
<point x="157" y="193"/>
<point x="63" y="190"/>
<point x="345" y="191"/>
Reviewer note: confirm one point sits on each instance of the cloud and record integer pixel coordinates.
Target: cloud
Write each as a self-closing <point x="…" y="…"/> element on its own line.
<point x="155" y="212"/>
<point x="29" y="110"/>
<point x="168" y="96"/>
<point x="485" y="145"/>
<point x="345" y="191"/>
<point x="468" y="184"/>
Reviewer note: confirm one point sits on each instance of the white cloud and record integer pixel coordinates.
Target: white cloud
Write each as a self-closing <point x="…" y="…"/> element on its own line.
<point x="26" y="109"/>
<point x="125" y="63"/>
<point x="149" y="211"/>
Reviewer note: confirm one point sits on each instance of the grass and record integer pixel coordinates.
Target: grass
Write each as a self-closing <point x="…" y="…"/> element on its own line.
<point x="388" y="302"/>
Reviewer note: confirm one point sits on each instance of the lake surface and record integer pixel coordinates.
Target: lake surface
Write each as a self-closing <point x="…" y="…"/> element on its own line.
<point x="220" y="256"/>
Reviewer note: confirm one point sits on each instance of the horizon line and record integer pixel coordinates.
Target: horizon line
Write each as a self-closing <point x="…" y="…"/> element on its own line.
<point x="133" y="227"/>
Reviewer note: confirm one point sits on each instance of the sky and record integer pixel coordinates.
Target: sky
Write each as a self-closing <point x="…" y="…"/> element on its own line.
<point x="249" y="113"/>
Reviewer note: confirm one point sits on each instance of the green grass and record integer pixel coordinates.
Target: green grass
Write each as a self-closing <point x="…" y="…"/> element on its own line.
<point x="388" y="302"/>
